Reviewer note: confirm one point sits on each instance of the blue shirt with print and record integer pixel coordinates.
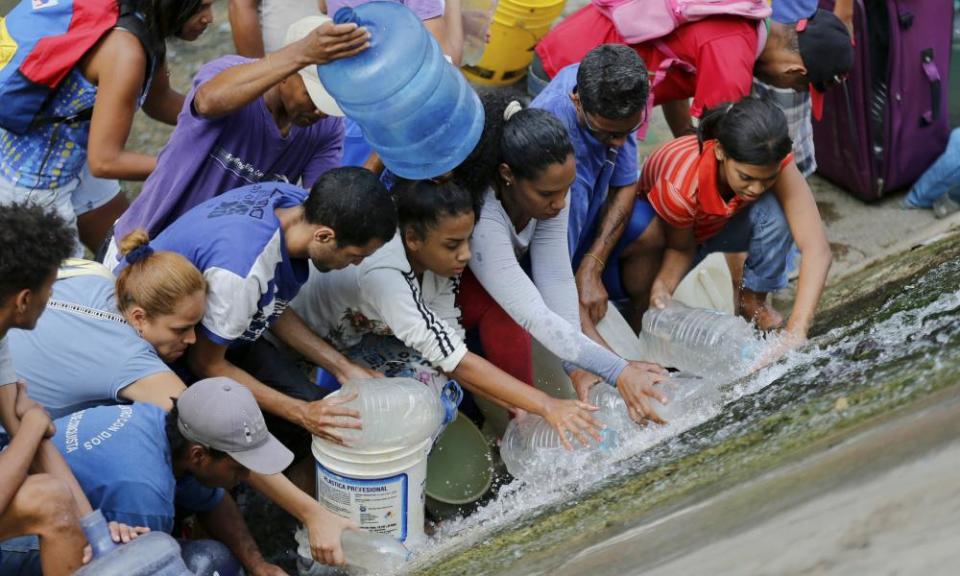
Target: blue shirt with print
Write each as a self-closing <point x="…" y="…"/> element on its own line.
<point x="599" y="166"/>
<point x="121" y="458"/>
<point x="236" y="241"/>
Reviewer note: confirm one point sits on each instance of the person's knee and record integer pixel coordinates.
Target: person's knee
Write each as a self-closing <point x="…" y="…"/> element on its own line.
<point x="47" y="504"/>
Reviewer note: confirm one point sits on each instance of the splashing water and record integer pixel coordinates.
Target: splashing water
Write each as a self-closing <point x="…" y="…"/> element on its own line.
<point x="891" y="353"/>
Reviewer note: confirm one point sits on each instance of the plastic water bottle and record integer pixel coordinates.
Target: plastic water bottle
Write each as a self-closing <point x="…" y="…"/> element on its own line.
<point x="152" y="554"/>
<point x="686" y="394"/>
<point x="612" y="408"/>
<point x="366" y="553"/>
<point x="531" y="442"/>
<point x="415" y="109"/>
<point x="398" y="412"/>
<point x="699" y="341"/>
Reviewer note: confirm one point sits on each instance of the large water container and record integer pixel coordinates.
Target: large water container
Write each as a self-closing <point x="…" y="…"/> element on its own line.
<point x="531" y="444"/>
<point x="152" y="554"/>
<point x="686" y="394"/>
<point x="700" y="341"/>
<point x="398" y="412"/>
<point x="414" y="108"/>
<point x="366" y="553"/>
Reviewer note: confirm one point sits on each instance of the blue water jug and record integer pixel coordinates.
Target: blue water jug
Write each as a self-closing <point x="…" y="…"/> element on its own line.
<point x="153" y="554"/>
<point x="415" y="109"/>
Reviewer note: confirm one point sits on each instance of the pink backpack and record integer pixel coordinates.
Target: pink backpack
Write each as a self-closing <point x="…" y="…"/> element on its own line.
<point x="650" y="20"/>
<point x="643" y="20"/>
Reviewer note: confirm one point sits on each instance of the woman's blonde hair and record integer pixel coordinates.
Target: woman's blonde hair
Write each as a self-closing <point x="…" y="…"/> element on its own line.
<point x="154" y="281"/>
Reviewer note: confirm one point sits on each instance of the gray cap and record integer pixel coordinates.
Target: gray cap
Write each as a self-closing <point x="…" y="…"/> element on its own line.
<point x="223" y="414"/>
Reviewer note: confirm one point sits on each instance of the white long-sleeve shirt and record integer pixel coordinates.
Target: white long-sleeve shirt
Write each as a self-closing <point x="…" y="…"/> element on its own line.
<point x="548" y="305"/>
<point x="383" y="296"/>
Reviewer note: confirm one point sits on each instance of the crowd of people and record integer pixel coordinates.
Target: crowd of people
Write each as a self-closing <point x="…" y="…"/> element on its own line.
<point x="151" y="379"/>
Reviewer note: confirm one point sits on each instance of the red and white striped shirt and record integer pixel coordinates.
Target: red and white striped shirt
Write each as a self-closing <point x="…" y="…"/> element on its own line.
<point x="681" y="184"/>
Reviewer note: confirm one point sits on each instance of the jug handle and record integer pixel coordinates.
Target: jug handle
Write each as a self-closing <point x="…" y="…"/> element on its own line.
<point x="94" y="527"/>
<point x="346" y="15"/>
<point x="451" y="395"/>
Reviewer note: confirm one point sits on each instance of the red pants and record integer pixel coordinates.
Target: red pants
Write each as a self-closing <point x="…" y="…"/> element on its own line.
<point x="505" y="343"/>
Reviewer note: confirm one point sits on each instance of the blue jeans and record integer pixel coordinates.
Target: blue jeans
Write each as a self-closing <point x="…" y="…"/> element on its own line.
<point x="763" y="233"/>
<point x="20" y="556"/>
<point x="940" y="178"/>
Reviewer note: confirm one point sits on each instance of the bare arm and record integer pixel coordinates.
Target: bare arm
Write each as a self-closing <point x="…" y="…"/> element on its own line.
<point x="294" y="332"/>
<point x="207" y="359"/>
<point x="15" y="402"/>
<point x="677" y="115"/>
<point x="322" y="417"/>
<point x="157" y="389"/>
<point x="225" y="523"/>
<point x="800" y="208"/>
<point x="237" y="86"/>
<point x="593" y="296"/>
<point x="16" y="460"/>
<point x="453" y="30"/>
<point x="163" y="103"/>
<point x="118" y="65"/>
<point x="245" y="25"/>
<point x="677" y="258"/>
<point x="323" y="526"/>
<point x="563" y="415"/>
<point x="843" y="9"/>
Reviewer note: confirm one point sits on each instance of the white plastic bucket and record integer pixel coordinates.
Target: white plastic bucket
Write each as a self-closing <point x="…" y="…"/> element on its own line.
<point x="382" y="492"/>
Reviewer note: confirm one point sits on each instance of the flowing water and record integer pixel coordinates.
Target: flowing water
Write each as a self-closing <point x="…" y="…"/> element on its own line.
<point x="884" y="352"/>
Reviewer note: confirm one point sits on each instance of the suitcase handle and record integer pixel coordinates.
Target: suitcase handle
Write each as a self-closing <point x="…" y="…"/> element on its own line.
<point x="933" y="78"/>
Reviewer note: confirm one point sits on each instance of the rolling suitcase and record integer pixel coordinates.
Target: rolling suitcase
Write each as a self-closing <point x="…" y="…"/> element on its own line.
<point x="889" y="121"/>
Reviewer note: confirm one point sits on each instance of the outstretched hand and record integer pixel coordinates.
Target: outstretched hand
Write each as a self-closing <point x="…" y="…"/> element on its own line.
<point x="572" y="416"/>
<point x="636" y="387"/>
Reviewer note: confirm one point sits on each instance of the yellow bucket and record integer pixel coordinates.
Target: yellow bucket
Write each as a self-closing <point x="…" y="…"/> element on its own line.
<point x="516" y="28"/>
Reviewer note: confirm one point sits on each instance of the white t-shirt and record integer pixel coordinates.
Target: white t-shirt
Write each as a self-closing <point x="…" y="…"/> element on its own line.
<point x="546" y="306"/>
<point x="383" y="296"/>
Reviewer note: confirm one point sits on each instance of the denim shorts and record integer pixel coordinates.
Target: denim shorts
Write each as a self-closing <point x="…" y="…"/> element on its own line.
<point x="20" y="556"/>
<point x="762" y="231"/>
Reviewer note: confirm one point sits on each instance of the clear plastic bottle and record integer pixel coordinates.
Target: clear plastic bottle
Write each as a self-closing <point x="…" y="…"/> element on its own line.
<point x="700" y="341"/>
<point x="367" y="554"/>
<point x="612" y="409"/>
<point x="398" y="412"/>
<point x="530" y="442"/>
<point x="686" y="394"/>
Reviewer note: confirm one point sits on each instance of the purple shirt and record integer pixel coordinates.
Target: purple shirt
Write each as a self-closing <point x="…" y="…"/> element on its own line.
<point x="206" y="157"/>
<point x="424" y="9"/>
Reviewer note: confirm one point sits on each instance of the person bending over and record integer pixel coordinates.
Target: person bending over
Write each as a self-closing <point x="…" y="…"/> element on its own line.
<point x="407" y="291"/>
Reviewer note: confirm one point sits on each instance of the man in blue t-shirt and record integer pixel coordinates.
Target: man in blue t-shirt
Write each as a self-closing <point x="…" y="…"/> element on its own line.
<point x="602" y="101"/>
<point x="140" y="465"/>
<point x="254" y="245"/>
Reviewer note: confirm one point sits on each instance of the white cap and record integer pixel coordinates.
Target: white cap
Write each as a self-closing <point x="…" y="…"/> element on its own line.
<point x="321" y="98"/>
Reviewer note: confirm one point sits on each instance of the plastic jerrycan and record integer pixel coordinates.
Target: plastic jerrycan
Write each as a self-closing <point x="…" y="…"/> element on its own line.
<point x="415" y="109"/>
<point x="398" y="412"/>
<point x="152" y="554"/>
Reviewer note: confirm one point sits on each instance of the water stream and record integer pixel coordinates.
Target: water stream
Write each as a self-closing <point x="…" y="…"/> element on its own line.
<point x="884" y="350"/>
